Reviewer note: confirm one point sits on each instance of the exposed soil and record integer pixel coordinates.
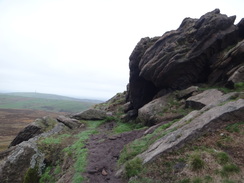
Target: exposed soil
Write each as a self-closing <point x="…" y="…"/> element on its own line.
<point x="104" y="149"/>
<point x="14" y="120"/>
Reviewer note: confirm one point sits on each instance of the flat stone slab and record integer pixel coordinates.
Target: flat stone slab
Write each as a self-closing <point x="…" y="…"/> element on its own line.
<point x="203" y="99"/>
<point x="90" y="114"/>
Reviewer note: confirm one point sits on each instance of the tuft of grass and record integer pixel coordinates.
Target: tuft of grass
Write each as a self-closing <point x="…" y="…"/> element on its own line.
<point x="31" y="175"/>
<point x="222" y="158"/>
<point x="229" y="169"/>
<point x="222" y="89"/>
<point x="197" y="180"/>
<point x="57" y="170"/>
<point x="208" y="179"/>
<point x="123" y="127"/>
<point x="47" y="177"/>
<point x="133" y="167"/>
<point x="126" y="127"/>
<point x="196" y="162"/>
<point x="142" y="180"/>
<point x="185" y="180"/>
<point x="111" y="118"/>
<point x="234" y="127"/>
<point x="228" y="181"/>
<point x="239" y="86"/>
<point x="54" y="139"/>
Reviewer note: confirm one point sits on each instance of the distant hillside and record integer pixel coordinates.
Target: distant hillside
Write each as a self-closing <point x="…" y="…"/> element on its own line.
<point x="50" y="96"/>
<point x="47" y="102"/>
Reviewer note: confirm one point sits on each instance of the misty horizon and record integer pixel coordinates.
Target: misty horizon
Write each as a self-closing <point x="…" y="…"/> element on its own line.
<point x="82" y="49"/>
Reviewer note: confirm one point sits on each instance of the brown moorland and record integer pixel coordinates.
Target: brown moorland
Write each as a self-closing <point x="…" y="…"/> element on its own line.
<point x="14" y="120"/>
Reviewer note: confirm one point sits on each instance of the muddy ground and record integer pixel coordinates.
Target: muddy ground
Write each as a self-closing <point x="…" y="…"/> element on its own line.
<point x="104" y="149"/>
<point x="14" y="120"/>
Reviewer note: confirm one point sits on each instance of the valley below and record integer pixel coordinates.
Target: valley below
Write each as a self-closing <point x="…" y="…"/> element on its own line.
<point x="18" y="110"/>
<point x="12" y="121"/>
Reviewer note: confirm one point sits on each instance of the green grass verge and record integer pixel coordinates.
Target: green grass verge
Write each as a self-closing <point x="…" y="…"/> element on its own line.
<point x="140" y="145"/>
<point x="79" y="150"/>
<point x="76" y="151"/>
<point x="54" y="140"/>
<point x="238" y="87"/>
<point x="126" y="127"/>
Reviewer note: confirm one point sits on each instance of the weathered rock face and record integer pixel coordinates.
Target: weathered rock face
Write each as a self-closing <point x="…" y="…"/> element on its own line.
<point x="186" y="93"/>
<point x="71" y="123"/>
<point x="35" y="128"/>
<point x="229" y="66"/>
<point x="18" y="161"/>
<point x="24" y="156"/>
<point x="237" y="76"/>
<point x="90" y="114"/>
<point x="155" y="111"/>
<point x="149" y="112"/>
<point x="184" y="57"/>
<point x="241" y="28"/>
<point x="27" y="133"/>
<point x="141" y="91"/>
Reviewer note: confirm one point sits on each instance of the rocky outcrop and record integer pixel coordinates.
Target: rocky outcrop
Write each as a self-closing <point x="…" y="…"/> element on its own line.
<point x="35" y="128"/>
<point x="186" y="56"/>
<point x="149" y="113"/>
<point x="18" y="161"/>
<point x="90" y="114"/>
<point x="27" y="133"/>
<point x="71" y="123"/>
<point x="228" y="66"/>
<point x="186" y="93"/>
<point x="25" y="156"/>
<point x="236" y="77"/>
<point x="141" y="91"/>
<point x="158" y="110"/>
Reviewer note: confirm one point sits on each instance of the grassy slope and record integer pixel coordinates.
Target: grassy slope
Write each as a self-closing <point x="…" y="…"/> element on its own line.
<point x="52" y="103"/>
<point x="214" y="158"/>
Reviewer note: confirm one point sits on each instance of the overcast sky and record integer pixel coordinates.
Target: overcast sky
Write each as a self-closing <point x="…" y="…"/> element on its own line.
<point x="81" y="48"/>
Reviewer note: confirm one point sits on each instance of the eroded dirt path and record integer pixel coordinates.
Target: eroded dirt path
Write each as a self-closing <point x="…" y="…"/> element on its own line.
<point x="103" y="153"/>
